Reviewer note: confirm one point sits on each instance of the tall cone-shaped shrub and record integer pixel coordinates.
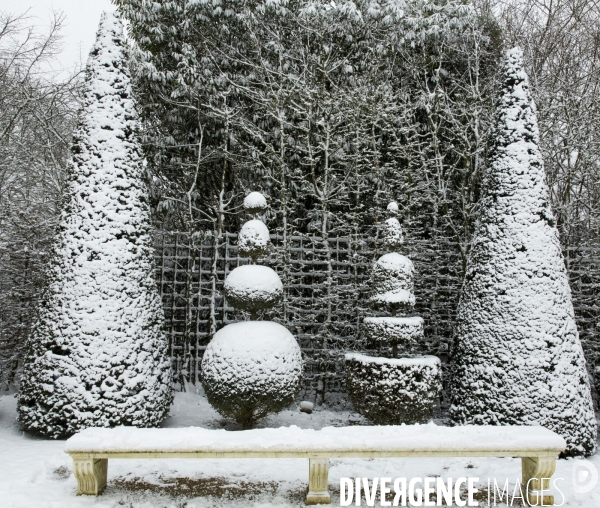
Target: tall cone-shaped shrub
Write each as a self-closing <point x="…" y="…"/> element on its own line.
<point x="96" y="355"/>
<point x="518" y="359"/>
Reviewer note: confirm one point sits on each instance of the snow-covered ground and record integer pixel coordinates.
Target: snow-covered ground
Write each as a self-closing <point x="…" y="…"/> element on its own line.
<point x="36" y="473"/>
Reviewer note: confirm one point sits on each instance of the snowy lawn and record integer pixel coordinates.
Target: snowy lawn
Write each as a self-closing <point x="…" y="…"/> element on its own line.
<point x="37" y="473"/>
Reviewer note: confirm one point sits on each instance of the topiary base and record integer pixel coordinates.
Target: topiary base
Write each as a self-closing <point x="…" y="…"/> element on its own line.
<point x="392" y="391"/>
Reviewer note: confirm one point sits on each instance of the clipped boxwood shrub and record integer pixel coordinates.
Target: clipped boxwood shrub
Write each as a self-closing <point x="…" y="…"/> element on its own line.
<point x="251" y="369"/>
<point x="392" y="391"/>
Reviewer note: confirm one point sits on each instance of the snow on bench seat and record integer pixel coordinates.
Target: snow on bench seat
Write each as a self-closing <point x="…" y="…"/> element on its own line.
<point x="538" y="447"/>
<point x="329" y="441"/>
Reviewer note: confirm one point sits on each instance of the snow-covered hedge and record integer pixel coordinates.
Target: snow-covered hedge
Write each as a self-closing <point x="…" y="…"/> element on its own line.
<point x="251" y="369"/>
<point x="97" y="355"/>
<point x="518" y="359"/>
<point x="392" y="391"/>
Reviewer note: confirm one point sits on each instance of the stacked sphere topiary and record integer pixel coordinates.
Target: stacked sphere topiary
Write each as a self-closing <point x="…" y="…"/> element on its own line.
<point x="253" y="368"/>
<point x="391" y="390"/>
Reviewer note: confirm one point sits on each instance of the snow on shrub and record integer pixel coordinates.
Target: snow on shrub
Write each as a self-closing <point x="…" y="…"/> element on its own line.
<point x="96" y="356"/>
<point x="253" y="368"/>
<point x="392" y="282"/>
<point x="255" y="203"/>
<point x="393" y="234"/>
<point x="518" y="359"/>
<point x="390" y="330"/>
<point x="392" y="391"/>
<point x="254" y="239"/>
<point x="388" y="390"/>
<point x="253" y="287"/>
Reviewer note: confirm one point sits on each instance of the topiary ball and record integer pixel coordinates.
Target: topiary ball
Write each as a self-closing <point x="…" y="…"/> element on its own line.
<point x="392" y="208"/>
<point x="255" y="203"/>
<point x="392" y="391"/>
<point x="253" y="287"/>
<point x="254" y="239"/>
<point x="251" y="369"/>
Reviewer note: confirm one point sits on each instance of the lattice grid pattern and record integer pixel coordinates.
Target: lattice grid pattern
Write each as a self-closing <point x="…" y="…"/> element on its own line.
<point x="327" y="296"/>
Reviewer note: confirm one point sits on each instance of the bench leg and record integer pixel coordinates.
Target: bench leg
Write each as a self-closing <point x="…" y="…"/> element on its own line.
<point x="91" y="475"/>
<point x="537" y="472"/>
<point x="318" y="481"/>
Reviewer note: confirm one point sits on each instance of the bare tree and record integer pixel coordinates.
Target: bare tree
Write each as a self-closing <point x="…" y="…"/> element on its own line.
<point x="37" y="114"/>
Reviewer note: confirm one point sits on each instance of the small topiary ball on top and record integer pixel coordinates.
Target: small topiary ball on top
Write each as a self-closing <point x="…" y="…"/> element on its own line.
<point x="254" y="240"/>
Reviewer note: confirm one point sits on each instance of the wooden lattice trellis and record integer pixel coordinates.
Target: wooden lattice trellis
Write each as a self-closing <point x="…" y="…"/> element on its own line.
<point x="327" y="297"/>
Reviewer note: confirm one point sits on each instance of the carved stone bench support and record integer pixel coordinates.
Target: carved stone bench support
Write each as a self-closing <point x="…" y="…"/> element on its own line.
<point x="91" y="475"/>
<point x="537" y="472"/>
<point x="318" y="481"/>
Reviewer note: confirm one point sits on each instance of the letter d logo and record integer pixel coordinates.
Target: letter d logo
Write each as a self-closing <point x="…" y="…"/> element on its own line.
<point x="585" y="476"/>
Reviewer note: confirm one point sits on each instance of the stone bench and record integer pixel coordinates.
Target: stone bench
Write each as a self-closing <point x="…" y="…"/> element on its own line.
<point x="537" y="447"/>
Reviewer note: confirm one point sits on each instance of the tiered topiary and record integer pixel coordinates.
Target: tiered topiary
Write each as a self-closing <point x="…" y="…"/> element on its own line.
<point x="253" y="368"/>
<point x="391" y="390"/>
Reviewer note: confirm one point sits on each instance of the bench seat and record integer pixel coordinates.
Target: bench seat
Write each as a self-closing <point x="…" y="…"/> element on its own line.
<point x="538" y="447"/>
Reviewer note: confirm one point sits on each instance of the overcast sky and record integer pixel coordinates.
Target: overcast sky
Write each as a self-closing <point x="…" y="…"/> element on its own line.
<point x="81" y="22"/>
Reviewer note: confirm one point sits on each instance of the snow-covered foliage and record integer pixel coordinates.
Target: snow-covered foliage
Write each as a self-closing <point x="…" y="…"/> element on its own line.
<point x="392" y="234"/>
<point x="392" y="391"/>
<point x="518" y="359"/>
<point x="255" y="203"/>
<point x="393" y="330"/>
<point x="253" y="287"/>
<point x="392" y="208"/>
<point x="37" y="119"/>
<point x="560" y="53"/>
<point x="254" y="239"/>
<point x="389" y="390"/>
<point x="251" y="369"/>
<point x="392" y="283"/>
<point x="96" y="356"/>
<point x="333" y="136"/>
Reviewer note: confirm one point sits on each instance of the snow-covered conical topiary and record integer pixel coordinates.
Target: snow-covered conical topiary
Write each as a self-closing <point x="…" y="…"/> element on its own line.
<point x="96" y="355"/>
<point x="388" y="390"/>
<point x="253" y="368"/>
<point x="393" y="238"/>
<point x="517" y="357"/>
